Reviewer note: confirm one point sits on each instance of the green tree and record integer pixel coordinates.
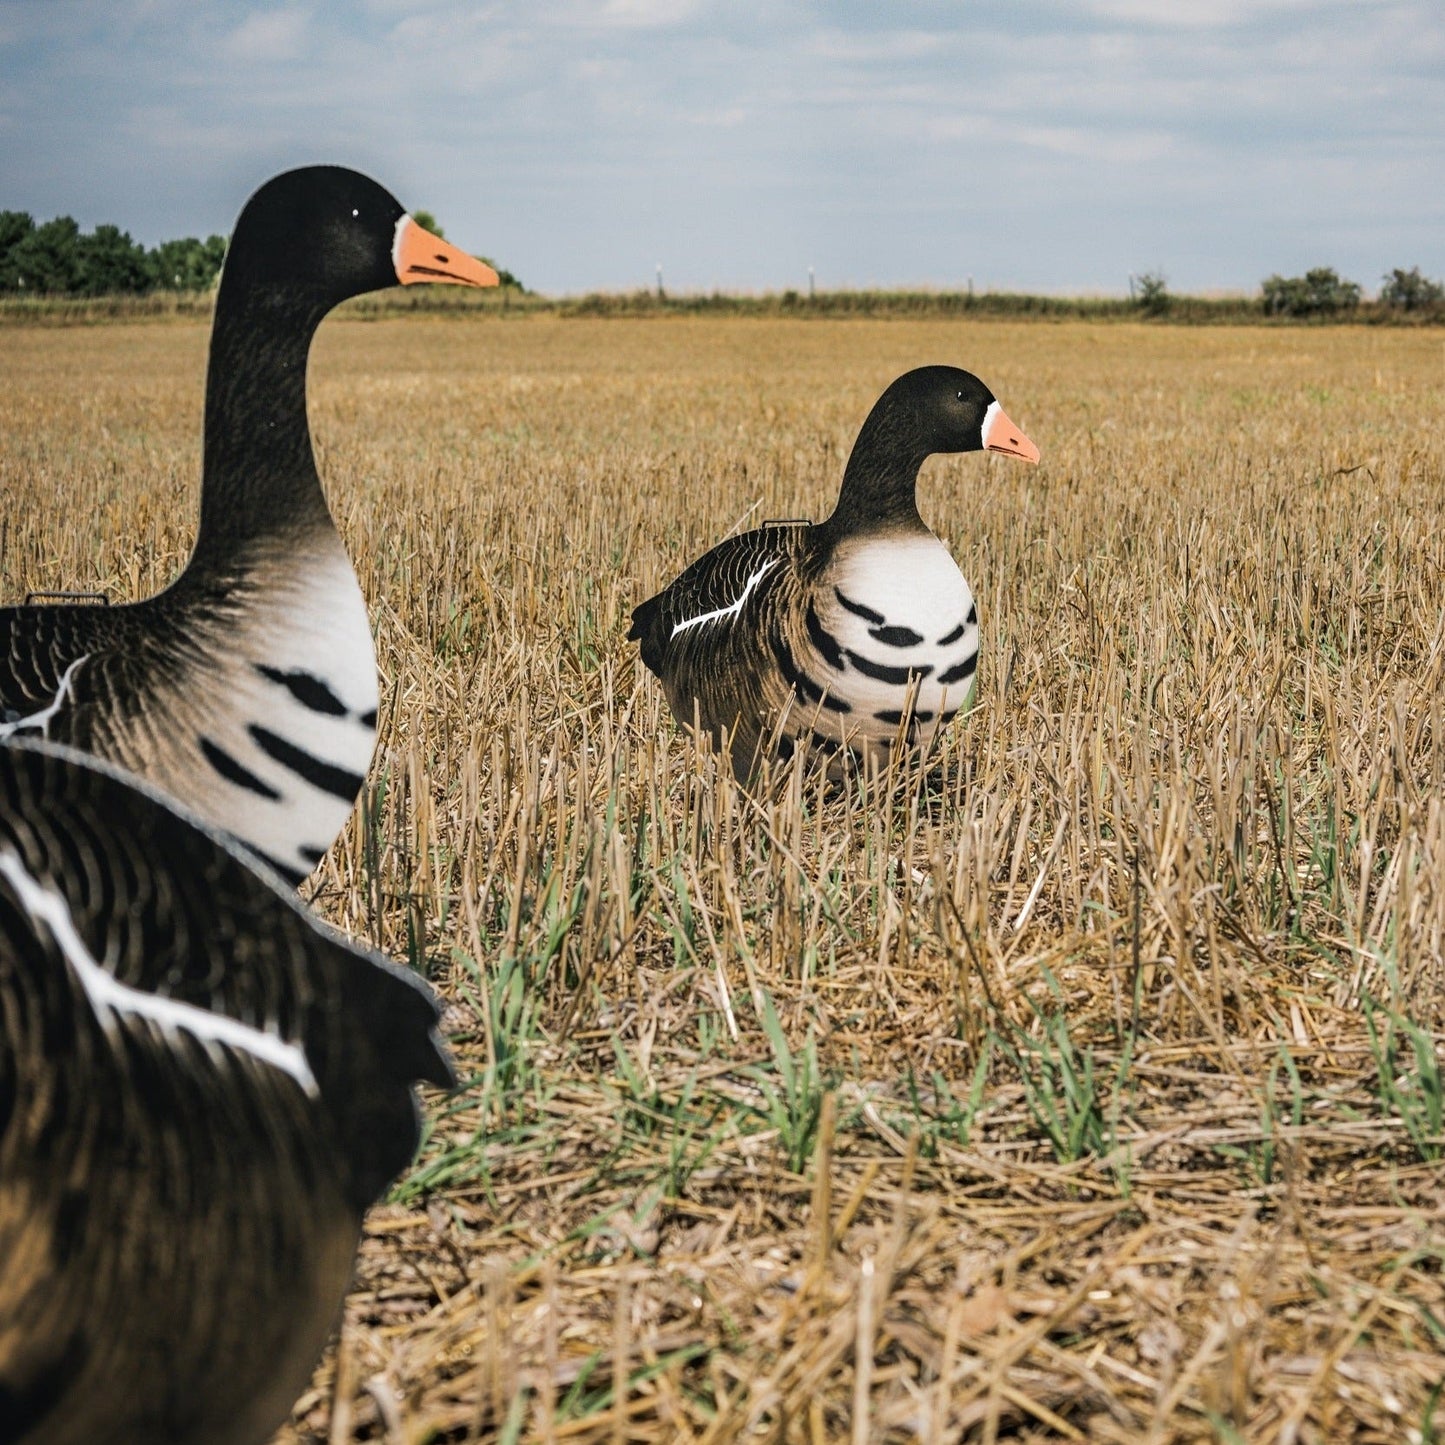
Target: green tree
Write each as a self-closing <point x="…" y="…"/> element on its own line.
<point x="187" y="264"/>
<point x="46" y="260"/>
<point x="14" y="227"/>
<point x="1319" y="292"/>
<point x="428" y="222"/>
<point x="1153" y="294"/>
<point x="109" y="263"/>
<point x="1410" y="291"/>
<point x="213" y="257"/>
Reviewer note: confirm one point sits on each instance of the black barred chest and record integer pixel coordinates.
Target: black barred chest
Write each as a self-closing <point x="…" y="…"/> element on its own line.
<point x="892" y="630"/>
<point x="283" y="735"/>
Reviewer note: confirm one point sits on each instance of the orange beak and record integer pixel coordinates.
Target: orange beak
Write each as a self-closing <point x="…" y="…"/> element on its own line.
<point x="420" y="256"/>
<point x="1001" y="435"/>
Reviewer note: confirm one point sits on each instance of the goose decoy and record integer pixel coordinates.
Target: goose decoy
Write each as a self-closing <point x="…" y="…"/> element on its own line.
<point x="201" y="1092"/>
<point x="851" y="635"/>
<point x="247" y="689"/>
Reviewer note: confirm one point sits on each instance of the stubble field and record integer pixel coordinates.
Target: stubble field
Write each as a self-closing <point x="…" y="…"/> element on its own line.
<point x="1084" y="1084"/>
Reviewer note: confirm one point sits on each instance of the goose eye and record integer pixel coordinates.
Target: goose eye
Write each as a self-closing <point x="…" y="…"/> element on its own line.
<point x="356" y="212"/>
<point x="960" y="396"/>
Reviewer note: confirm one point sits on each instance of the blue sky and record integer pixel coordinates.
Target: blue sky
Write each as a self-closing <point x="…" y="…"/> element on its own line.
<point x="1042" y="144"/>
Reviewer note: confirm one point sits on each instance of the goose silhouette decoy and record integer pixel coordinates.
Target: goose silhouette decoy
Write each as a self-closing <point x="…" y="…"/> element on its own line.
<point x="247" y="689"/>
<point x="201" y="1091"/>
<point x="852" y="635"/>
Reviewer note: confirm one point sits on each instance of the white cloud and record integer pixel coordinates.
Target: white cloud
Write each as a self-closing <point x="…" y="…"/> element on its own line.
<point x="1207" y="14"/>
<point x="1128" y="148"/>
<point x="874" y="47"/>
<point x="727" y="117"/>
<point x="269" y="37"/>
<point x="646" y="14"/>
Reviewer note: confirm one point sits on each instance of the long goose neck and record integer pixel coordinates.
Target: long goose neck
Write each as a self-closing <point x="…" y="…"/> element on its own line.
<point x="259" y="473"/>
<point x="880" y="483"/>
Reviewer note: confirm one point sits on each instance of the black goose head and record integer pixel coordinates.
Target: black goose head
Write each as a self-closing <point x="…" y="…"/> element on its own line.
<point x="326" y="233"/>
<point x="306" y="241"/>
<point x="931" y="409"/>
<point x="946" y="409"/>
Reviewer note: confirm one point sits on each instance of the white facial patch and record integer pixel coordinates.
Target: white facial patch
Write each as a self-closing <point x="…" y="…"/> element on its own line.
<point x="990" y="418"/>
<point x="108" y="997"/>
<point x="402" y="223"/>
<point x="733" y="608"/>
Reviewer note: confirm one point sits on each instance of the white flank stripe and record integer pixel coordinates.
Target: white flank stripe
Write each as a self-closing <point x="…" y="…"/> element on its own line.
<point x="733" y="608"/>
<point x="109" y="997"/>
<point x="42" y="718"/>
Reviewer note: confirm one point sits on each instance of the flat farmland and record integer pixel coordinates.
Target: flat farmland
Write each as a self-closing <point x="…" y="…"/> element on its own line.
<point x="1081" y="1083"/>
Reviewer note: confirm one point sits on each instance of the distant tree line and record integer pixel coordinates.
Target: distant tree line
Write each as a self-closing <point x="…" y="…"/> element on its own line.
<point x="57" y="258"/>
<point x="1319" y="292"/>
<point x="1322" y="292"/>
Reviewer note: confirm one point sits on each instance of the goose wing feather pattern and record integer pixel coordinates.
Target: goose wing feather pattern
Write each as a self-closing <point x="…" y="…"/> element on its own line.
<point x="702" y="634"/>
<point x="202" y="1089"/>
